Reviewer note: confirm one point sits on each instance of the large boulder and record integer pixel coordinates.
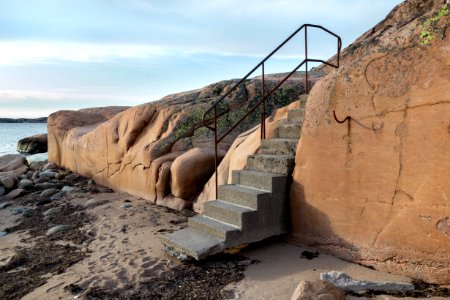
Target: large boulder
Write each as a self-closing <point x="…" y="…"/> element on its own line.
<point x="11" y="167"/>
<point x="33" y="144"/>
<point x="11" y="162"/>
<point x="159" y="151"/>
<point x="375" y="190"/>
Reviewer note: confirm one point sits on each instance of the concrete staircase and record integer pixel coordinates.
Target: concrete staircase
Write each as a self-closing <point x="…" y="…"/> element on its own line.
<point x="252" y="208"/>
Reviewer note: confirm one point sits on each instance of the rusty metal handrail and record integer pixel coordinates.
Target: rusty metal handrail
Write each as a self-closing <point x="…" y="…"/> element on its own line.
<point x="264" y="97"/>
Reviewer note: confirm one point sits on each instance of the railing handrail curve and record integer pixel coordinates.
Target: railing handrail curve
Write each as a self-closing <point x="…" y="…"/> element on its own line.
<point x="206" y="121"/>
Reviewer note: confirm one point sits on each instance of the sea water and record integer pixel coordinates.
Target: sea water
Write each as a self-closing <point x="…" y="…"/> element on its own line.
<point x="11" y="133"/>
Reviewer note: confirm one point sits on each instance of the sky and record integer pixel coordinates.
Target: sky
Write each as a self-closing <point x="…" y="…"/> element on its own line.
<point x="72" y="54"/>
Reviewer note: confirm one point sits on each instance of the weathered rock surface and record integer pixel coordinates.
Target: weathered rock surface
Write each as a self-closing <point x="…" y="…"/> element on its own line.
<point x="376" y="190"/>
<point x="33" y="144"/>
<point x="150" y="150"/>
<point x="317" y="290"/>
<point x="11" y="162"/>
<point x="347" y="283"/>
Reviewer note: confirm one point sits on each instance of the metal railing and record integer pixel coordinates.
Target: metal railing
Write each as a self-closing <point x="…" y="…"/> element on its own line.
<point x="214" y="107"/>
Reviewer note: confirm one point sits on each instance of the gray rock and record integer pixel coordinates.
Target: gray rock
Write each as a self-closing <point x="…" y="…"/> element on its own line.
<point x="126" y="205"/>
<point x="8" y="181"/>
<point x="40" y="180"/>
<point x="23" y="176"/>
<point x="21" y="211"/>
<point x="3" y="233"/>
<point x="2" y="190"/>
<point x="91" y="203"/>
<point x="50" y="166"/>
<point x="347" y="283"/>
<point x="68" y="189"/>
<point x="43" y="202"/>
<point x="25" y="184"/>
<point x="37" y="165"/>
<point x="5" y="205"/>
<point x="16" y="193"/>
<point x="48" y="193"/>
<point x="57" y="196"/>
<point x="45" y="186"/>
<point x="58" y="228"/>
<point x="53" y="211"/>
<point x="48" y="174"/>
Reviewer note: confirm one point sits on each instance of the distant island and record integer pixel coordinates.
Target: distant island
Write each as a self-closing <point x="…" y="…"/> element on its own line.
<point x="23" y="120"/>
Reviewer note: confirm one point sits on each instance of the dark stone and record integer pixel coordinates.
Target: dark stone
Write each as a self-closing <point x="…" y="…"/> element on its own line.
<point x="309" y="255"/>
<point x="43" y="202"/>
<point x="33" y="144"/>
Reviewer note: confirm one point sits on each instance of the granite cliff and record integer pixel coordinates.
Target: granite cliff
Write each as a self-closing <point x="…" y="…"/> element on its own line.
<point x="159" y="151"/>
<point x="376" y="188"/>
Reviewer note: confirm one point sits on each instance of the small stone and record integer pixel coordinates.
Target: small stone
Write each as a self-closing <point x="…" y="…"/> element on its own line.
<point x="5" y="205"/>
<point x="53" y="211"/>
<point x="45" y="186"/>
<point x="2" y="190"/>
<point x="48" y="174"/>
<point x="48" y="193"/>
<point x="91" y="203"/>
<point x="68" y="189"/>
<point x="347" y="283"/>
<point x="3" y="233"/>
<point x="40" y="180"/>
<point x="58" y="228"/>
<point x="36" y="165"/>
<point x="317" y="289"/>
<point x="25" y="184"/>
<point x="50" y="166"/>
<point x="43" y="202"/>
<point x="16" y="193"/>
<point x="126" y="205"/>
<point x="21" y="211"/>
<point x="57" y="196"/>
<point x="23" y="176"/>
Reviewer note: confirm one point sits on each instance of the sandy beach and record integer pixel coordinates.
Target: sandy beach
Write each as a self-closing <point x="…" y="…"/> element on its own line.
<point x="111" y="250"/>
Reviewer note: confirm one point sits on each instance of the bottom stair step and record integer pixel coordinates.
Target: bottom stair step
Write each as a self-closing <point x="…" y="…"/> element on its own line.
<point x="192" y="243"/>
<point x="214" y="227"/>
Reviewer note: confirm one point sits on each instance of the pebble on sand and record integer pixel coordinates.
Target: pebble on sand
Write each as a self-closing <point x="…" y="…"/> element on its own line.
<point x="58" y="228"/>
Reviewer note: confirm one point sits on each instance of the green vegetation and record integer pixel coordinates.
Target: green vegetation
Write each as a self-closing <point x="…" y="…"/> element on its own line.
<point x="428" y="27"/>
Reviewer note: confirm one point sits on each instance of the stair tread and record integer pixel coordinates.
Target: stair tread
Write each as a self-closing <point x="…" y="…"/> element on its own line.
<point x="260" y="173"/>
<point x="213" y="223"/>
<point x="191" y="242"/>
<point x="230" y="206"/>
<point x="244" y="189"/>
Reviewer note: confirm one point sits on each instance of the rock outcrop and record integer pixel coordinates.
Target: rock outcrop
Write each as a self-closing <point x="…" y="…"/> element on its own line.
<point x="33" y="144"/>
<point x="375" y="189"/>
<point x="159" y="151"/>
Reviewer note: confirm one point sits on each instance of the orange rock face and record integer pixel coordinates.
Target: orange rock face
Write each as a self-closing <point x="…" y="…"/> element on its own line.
<point x="159" y="151"/>
<point x="377" y="190"/>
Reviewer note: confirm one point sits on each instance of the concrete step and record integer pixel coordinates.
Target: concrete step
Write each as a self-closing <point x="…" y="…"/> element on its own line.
<point x="303" y="98"/>
<point x="259" y="180"/>
<point x="191" y="242"/>
<point x="214" y="227"/>
<point x="279" y="146"/>
<point x="243" y="195"/>
<point x="296" y="115"/>
<point x="278" y="164"/>
<point x="289" y="131"/>
<point x="240" y="216"/>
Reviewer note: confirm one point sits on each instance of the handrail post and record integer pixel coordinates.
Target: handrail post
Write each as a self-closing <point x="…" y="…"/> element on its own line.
<point x="306" y="58"/>
<point x="263" y="112"/>
<point x="215" y="149"/>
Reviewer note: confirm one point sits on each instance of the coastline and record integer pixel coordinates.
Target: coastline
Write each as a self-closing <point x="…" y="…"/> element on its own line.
<point x="24" y="120"/>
